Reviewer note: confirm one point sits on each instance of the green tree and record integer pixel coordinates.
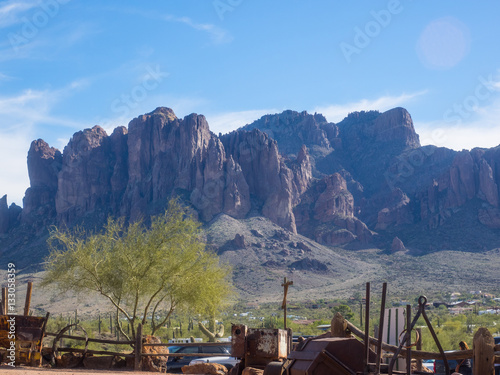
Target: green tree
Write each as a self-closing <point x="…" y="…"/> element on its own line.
<point x="144" y="272"/>
<point x="344" y="310"/>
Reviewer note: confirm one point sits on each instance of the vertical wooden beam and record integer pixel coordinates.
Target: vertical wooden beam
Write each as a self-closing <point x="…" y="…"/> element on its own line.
<point x="408" y="339"/>
<point x="483" y="352"/>
<point x="28" y="298"/>
<point x="138" y="348"/>
<point x="285" y="286"/>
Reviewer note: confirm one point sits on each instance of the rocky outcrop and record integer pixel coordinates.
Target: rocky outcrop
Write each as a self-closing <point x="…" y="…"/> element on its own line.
<point x="84" y="179"/>
<point x="302" y="174"/>
<point x="395" y="126"/>
<point x="4" y="215"/>
<point x="293" y="129"/>
<point x="335" y="200"/>
<point x="334" y="183"/>
<point x="326" y="213"/>
<point x="44" y="165"/>
<point x="397" y="245"/>
<point x="238" y="242"/>
<point x="397" y="210"/>
<point x="309" y="264"/>
<point x="167" y="154"/>
<point x="265" y="171"/>
<point x="472" y="175"/>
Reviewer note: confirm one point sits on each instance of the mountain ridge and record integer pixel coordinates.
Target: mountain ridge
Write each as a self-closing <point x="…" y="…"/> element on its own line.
<point x="358" y="183"/>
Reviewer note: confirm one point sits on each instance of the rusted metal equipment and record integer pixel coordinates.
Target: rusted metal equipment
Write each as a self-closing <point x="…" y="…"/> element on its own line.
<point x="329" y="356"/>
<point x="258" y="347"/>
<point x="22" y="336"/>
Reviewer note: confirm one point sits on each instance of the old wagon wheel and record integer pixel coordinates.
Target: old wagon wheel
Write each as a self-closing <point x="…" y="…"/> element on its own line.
<point x="59" y="336"/>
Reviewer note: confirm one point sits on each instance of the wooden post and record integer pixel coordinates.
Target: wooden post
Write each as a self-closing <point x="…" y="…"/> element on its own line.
<point x="408" y="339"/>
<point x="338" y="326"/>
<point x="361" y="313"/>
<point x="285" y="286"/>
<point x="28" y="298"/>
<point x="484" y="352"/>
<point x="138" y="348"/>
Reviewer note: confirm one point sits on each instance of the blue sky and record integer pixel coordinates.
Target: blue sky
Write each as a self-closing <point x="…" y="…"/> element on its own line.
<point x="66" y="65"/>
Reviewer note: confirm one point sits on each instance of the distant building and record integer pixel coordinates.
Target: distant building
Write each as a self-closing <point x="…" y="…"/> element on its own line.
<point x="495" y="310"/>
<point x="459" y="310"/>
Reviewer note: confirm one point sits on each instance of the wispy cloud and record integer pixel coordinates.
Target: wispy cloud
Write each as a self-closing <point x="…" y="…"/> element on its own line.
<point x="337" y="112"/>
<point x="13" y="151"/>
<point x="481" y="129"/>
<point x="22" y="115"/>
<point x="473" y="121"/>
<point x="217" y="34"/>
<point x="5" y="77"/>
<point x="229" y="121"/>
<point x="10" y="11"/>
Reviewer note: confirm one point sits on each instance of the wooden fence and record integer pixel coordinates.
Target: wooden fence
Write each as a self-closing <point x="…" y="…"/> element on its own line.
<point x="484" y="353"/>
<point x="137" y="345"/>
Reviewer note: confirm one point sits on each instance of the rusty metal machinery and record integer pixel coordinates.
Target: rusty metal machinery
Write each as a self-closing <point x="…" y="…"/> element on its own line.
<point x="329" y="356"/>
<point x="24" y="335"/>
<point x="257" y="347"/>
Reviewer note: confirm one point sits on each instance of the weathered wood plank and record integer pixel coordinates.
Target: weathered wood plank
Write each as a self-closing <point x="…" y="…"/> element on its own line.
<point x="484" y="352"/>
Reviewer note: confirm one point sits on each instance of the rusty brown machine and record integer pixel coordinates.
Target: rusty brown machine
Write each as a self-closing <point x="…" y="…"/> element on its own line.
<point x="261" y="348"/>
<point x="328" y="356"/>
<point x="271" y="350"/>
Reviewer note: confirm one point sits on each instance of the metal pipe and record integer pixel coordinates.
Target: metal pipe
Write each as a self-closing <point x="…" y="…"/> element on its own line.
<point x="381" y="326"/>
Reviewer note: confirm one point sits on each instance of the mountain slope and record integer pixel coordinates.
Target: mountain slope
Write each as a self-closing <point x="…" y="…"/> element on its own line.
<point x="357" y="185"/>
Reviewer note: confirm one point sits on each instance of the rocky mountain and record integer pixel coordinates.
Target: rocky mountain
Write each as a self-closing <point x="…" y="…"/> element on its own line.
<point x="359" y="183"/>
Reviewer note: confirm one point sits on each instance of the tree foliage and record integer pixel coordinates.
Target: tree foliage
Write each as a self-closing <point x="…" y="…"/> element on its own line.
<point x="143" y="272"/>
<point x="345" y="310"/>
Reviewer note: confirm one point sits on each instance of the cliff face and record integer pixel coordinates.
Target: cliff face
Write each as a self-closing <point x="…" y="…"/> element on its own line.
<point x="275" y="186"/>
<point x="134" y="171"/>
<point x="361" y="181"/>
<point x="44" y="165"/>
<point x="168" y="155"/>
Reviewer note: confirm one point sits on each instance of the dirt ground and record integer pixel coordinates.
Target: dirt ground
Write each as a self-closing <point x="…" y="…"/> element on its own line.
<point x="21" y="370"/>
